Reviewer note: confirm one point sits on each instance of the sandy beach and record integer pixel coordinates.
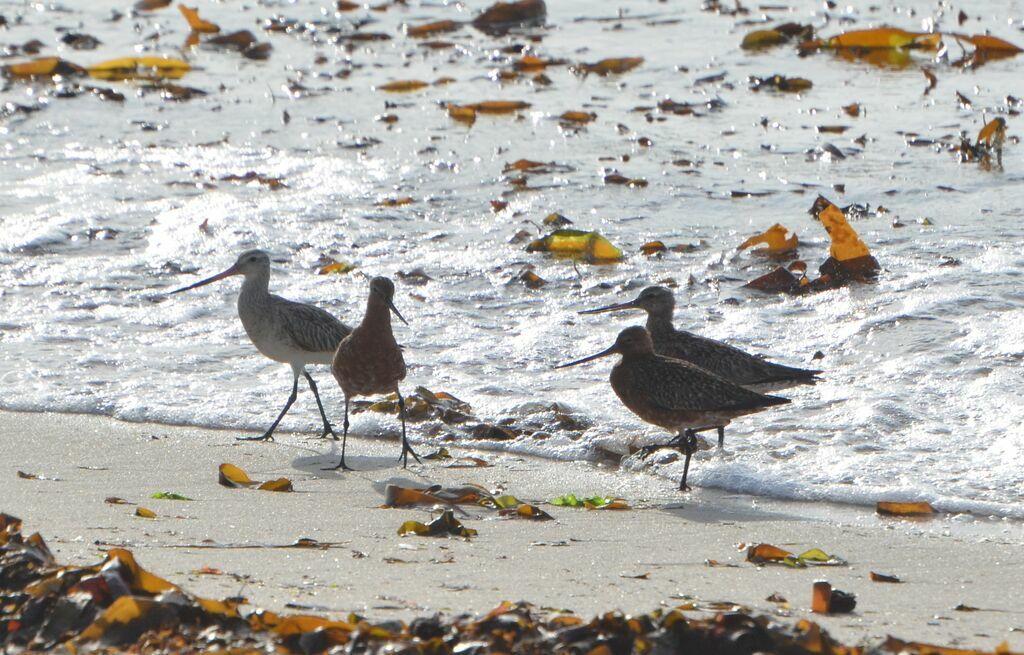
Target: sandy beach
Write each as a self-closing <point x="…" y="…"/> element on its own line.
<point x="653" y="555"/>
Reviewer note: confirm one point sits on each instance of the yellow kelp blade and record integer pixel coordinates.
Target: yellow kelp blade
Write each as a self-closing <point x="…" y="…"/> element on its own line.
<point x="43" y="66"/>
<point x="132" y="68"/>
<point x="845" y="242"/>
<point x="230" y="475"/>
<point x="589" y="246"/>
<point x="774" y="238"/>
<point x="883" y="37"/>
<point x="198" y="24"/>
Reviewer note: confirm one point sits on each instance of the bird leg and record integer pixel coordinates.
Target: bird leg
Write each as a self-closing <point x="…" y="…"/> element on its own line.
<point x="269" y="434"/>
<point x="721" y="436"/>
<point x="689" y="449"/>
<point x="406" y="448"/>
<point x="674" y="442"/>
<point x="344" y="438"/>
<point x="328" y="430"/>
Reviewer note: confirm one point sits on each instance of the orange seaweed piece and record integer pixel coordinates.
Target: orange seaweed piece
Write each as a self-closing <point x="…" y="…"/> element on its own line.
<point x="611" y="66"/>
<point x="774" y="238"/>
<point x="499" y="106"/>
<point x="402" y="86"/>
<point x="882" y="37"/>
<point x="197" y="24"/>
<point x="43" y="66"/>
<point x="846" y="244"/>
<point x="462" y="114"/>
<point x="767" y="553"/>
<point x="887" y="508"/>
<point x="994" y="132"/>
<point x="578" y="116"/>
<point x="987" y="43"/>
<point x="428" y="29"/>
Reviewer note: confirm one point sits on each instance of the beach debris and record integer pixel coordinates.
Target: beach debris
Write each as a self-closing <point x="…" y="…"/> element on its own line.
<point x="591" y="502"/>
<point x="526" y="511"/>
<point x="445" y="524"/>
<point x="500" y="17"/>
<point x="231" y="476"/>
<point x="826" y="600"/>
<point x="43" y="67"/>
<point x="894" y="645"/>
<point x="402" y="86"/>
<point x="778" y="240"/>
<point x="882" y="577"/>
<point x="168" y="495"/>
<point x="335" y="268"/>
<point x="586" y="246"/>
<point x="780" y="34"/>
<point x="610" y="66"/>
<point x="195" y="23"/>
<point x="780" y="83"/>
<point x="399" y="496"/>
<point x="889" y="508"/>
<point x="769" y="554"/>
<point x="470" y="494"/>
<point x="140" y="68"/>
<point x="117" y="605"/>
<point x="250" y="177"/>
<point x="421" y="405"/>
<point x="116" y="500"/>
<point x="849" y="257"/>
<point x="144" y="513"/>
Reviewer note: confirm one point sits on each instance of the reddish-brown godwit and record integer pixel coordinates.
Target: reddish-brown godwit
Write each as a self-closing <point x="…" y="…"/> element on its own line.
<point x="674" y="394"/>
<point x="369" y="361"/>
<point x="285" y="331"/>
<point x="714" y="356"/>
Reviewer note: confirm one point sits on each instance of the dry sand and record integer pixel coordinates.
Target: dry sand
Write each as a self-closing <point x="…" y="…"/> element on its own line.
<point x="586" y="561"/>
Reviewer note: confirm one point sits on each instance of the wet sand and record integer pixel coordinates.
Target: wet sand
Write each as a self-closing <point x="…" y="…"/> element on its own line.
<point x="585" y="561"/>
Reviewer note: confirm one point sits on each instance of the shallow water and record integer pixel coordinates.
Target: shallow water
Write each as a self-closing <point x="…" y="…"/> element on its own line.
<point x="106" y="205"/>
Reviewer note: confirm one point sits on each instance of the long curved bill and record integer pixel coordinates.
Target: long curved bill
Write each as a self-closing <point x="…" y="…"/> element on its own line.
<point x="219" y="276"/>
<point x="392" y="307"/>
<point x="604" y="353"/>
<point x="611" y="308"/>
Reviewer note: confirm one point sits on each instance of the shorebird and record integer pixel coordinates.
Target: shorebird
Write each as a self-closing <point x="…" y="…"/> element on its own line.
<point x="713" y="356"/>
<point x="285" y="331"/>
<point x="674" y="394"/>
<point x="369" y="361"/>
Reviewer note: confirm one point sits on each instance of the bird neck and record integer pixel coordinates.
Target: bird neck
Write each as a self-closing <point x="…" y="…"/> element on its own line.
<point x="659" y="321"/>
<point x="255" y="288"/>
<point x="377" y="317"/>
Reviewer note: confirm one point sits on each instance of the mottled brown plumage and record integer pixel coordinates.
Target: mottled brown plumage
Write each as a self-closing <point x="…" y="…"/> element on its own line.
<point x="716" y="357"/>
<point x="283" y="330"/>
<point x="369" y="361"/>
<point x="674" y="394"/>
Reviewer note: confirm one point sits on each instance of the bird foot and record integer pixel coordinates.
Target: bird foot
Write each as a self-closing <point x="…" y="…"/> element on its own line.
<point x="342" y="466"/>
<point x="404" y="457"/>
<point x="646" y="451"/>
<point x="266" y="437"/>
<point x="683" y="488"/>
<point x="329" y="432"/>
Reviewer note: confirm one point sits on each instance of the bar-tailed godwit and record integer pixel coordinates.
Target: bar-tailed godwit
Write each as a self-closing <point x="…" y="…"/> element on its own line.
<point x="285" y="331"/>
<point x="714" y="356"/>
<point x="674" y="394"/>
<point x="369" y="361"/>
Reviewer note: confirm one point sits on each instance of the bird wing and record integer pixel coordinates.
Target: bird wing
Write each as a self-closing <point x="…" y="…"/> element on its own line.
<point x="681" y="386"/>
<point x="311" y="328"/>
<point x="727" y="361"/>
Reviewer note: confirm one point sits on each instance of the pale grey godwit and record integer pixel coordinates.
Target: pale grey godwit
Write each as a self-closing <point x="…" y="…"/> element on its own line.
<point x="717" y="357"/>
<point x="369" y="361"/>
<point x="285" y="331"/>
<point x="674" y="394"/>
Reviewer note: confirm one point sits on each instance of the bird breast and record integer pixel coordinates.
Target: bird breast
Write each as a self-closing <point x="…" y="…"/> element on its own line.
<point x="368" y="363"/>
